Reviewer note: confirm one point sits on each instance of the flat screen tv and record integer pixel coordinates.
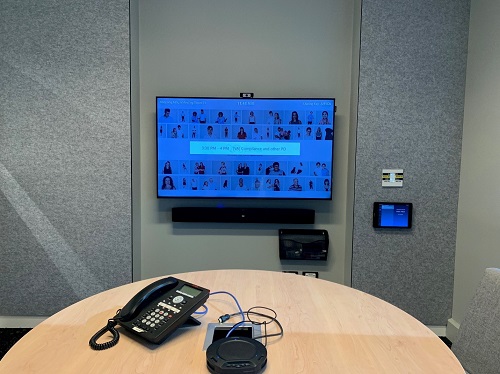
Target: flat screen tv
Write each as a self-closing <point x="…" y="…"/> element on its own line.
<point x="211" y="147"/>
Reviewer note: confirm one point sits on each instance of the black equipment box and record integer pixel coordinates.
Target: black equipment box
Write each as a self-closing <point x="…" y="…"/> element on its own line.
<point x="297" y="244"/>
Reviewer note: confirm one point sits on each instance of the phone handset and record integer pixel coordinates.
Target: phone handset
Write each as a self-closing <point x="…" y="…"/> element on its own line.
<point x="130" y="311"/>
<point x="155" y="312"/>
<point x="142" y="298"/>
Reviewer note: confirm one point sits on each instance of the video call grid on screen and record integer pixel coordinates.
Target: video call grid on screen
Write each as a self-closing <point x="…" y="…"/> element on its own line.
<point x="245" y="148"/>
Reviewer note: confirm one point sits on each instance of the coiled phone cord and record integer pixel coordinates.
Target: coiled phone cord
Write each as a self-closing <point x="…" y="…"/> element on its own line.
<point x="112" y="322"/>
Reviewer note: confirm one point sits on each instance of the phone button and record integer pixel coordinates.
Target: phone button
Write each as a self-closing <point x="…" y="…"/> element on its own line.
<point x="178" y="299"/>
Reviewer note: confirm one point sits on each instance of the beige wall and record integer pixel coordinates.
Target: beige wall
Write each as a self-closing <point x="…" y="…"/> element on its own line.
<point x="478" y="234"/>
<point x="281" y="48"/>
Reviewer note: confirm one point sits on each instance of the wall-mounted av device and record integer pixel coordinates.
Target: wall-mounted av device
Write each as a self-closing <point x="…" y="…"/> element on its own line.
<point x="247" y="148"/>
<point x="392" y="215"/>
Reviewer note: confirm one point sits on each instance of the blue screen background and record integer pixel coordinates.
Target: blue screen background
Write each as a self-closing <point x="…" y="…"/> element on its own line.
<point x="393" y="215"/>
<point x="228" y="147"/>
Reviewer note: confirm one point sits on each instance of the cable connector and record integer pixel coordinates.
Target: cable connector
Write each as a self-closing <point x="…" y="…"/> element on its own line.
<point x="224" y="318"/>
<point x="111" y="323"/>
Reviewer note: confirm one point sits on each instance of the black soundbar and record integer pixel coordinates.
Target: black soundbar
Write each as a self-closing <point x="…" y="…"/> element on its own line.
<point x="243" y="215"/>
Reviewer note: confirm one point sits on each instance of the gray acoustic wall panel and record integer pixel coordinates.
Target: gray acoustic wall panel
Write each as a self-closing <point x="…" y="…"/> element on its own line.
<point x="411" y="96"/>
<point x="65" y="155"/>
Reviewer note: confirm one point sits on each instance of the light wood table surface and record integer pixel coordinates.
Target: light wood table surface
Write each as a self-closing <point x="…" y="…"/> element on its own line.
<point x="328" y="328"/>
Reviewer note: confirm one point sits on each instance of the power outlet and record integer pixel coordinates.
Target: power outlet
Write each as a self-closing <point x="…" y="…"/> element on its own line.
<point x="312" y="274"/>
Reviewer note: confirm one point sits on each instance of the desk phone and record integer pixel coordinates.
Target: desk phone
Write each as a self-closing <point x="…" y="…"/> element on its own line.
<point x="156" y="311"/>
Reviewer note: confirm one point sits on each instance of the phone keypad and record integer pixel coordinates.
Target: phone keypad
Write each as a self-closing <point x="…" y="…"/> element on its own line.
<point x="153" y="319"/>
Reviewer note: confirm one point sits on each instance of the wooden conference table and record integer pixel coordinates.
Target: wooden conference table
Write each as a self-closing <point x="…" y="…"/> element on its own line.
<point x="328" y="328"/>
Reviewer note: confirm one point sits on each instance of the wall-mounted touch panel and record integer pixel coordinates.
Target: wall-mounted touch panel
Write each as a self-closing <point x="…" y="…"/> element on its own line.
<point x="392" y="215"/>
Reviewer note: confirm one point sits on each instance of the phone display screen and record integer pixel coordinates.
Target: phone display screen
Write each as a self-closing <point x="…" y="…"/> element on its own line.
<point x="189" y="291"/>
<point x="392" y="215"/>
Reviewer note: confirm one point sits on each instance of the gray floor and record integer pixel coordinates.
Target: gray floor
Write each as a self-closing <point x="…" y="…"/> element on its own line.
<point x="9" y="337"/>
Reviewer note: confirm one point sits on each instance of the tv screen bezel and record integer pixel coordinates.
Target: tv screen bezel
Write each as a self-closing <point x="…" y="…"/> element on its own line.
<point x="264" y="198"/>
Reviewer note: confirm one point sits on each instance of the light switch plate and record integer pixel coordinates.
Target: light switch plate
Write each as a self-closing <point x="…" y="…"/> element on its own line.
<point x="392" y="177"/>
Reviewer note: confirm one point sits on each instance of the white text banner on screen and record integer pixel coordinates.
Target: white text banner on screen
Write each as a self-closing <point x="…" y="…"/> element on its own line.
<point x="245" y="148"/>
